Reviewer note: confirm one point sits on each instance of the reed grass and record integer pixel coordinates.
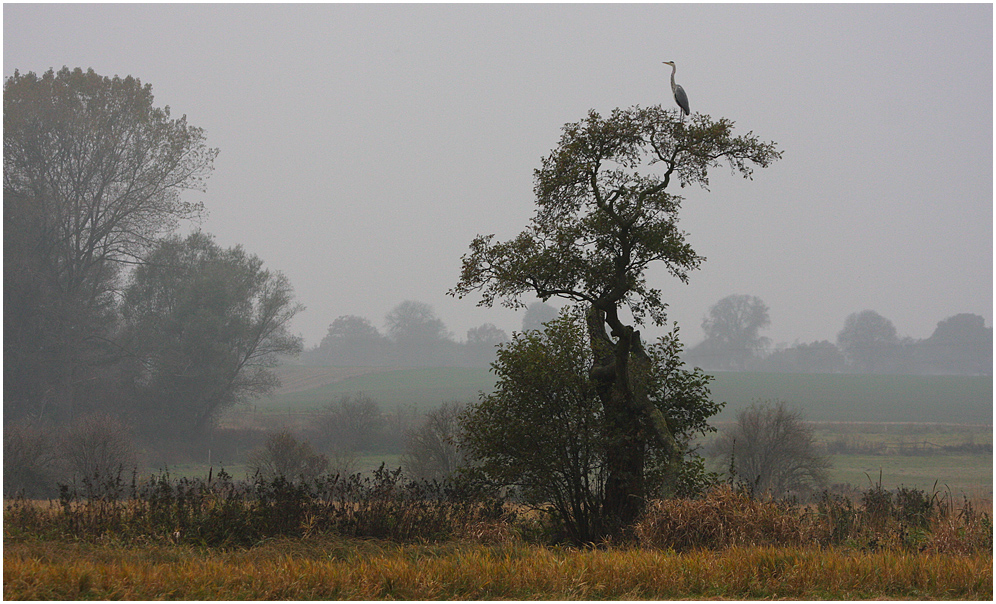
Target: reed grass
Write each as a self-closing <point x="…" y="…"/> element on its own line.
<point x="301" y="569"/>
<point x="387" y="538"/>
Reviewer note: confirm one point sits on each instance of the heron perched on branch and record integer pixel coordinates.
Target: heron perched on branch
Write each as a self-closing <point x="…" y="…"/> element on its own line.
<point x="679" y="93"/>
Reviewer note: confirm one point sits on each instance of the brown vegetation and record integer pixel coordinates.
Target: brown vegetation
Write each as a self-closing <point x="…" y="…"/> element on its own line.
<point x="387" y="538"/>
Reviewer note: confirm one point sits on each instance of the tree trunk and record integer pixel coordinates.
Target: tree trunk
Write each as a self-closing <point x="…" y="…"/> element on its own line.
<point x="632" y="420"/>
<point x="626" y="442"/>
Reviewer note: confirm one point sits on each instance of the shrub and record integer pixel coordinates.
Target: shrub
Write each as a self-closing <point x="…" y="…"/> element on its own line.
<point x="771" y="450"/>
<point x="98" y="445"/>
<point x="221" y="512"/>
<point x="432" y="451"/>
<point x="724" y="517"/>
<point x="352" y="422"/>
<point x="907" y="519"/>
<point x="283" y="456"/>
<point x="30" y="463"/>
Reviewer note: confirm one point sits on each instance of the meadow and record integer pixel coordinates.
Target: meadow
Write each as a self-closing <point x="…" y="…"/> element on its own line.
<point x="933" y="399"/>
<point x="905" y="430"/>
<point x="910" y="516"/>
<point x="337" y="569"/>
<point x="269" y="543"/>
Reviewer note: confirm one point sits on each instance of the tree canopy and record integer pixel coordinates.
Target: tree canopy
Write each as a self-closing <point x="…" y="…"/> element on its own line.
<point x="93" y="173"/>
<point x="732" y="328"/>
<point x="604" y="214"/>
<point x="204" y="326"/>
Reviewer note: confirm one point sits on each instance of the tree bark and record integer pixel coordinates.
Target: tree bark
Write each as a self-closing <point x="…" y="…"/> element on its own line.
<point x="632" y="420"/>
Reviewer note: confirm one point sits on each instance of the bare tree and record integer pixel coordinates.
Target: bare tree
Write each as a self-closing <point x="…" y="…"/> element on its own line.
<point x="432" y="451"/>
<point x="98" y="445"/>
<point x="30" y="462"/>
<point x="772" y="450"/>
<point x="352" y="422"/>
<point x="283" y="455"/>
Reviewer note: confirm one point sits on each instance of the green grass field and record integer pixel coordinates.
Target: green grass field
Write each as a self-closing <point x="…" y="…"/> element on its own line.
<point x="863" y="398"/>
<point x="425" y="388"/>
<point x="960" y="475"/>
<point x="822" y="397"/>
<point x="885" y="409"/>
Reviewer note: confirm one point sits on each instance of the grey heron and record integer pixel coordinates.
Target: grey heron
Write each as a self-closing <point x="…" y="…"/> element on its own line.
<point x="679" y="93"/>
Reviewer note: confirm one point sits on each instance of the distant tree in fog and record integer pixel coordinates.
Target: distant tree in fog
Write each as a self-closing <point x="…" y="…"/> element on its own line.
<point x="203" y="327"/>
<point x="98" y="445"/>
<point x="869" y="343"/>
<point x="30" y="462"/>
<point x="960" y="344"/>
<point x="816" y="357"/>
<point x="419" y="336"/>
<point x="481" y="344"/>
<point x="352" y="422"/>
<point x="486" y="334"/>
<point x="93" y="172"/>
<point x="537" y="314"/>
<point x="283" y="455"/>
<point x="351" y="341"/>
<point x="732" y="333"/>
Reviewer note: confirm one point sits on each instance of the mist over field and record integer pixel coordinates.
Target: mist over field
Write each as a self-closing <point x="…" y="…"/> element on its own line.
<point x="498" y="301"/>
<point x="238" y="234"/>
<point x="363" y="147"/>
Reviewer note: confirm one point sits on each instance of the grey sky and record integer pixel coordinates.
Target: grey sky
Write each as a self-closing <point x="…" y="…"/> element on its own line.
<point x="364" y="146"/>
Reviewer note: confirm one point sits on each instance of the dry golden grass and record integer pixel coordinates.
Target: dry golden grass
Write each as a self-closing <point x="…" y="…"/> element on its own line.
<point x="726" y="517"/>
<point x="367" y="570"/>
<point x="723" y="545"/>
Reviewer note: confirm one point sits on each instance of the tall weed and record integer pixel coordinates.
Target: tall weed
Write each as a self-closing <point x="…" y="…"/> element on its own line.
<point x="222" y="512"/>
<point x="907" y="519"/>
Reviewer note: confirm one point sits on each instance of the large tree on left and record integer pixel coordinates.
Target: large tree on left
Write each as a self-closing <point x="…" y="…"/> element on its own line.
<point x="203" y="326"/>
<point x="93" y="172"/>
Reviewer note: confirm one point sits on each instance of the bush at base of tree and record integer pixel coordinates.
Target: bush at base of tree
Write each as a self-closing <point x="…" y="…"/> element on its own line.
<point x="543" y="431"/>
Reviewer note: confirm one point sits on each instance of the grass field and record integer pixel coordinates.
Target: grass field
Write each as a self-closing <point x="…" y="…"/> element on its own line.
<point x="886" y="414"/>
<point x="425" y="388"/>
<point x="863" y="398"/>
<point x="334" y="569"/>
<point x="888" y="410"/>
<point x="822" y="397"/>
<point x="961" y="475"/>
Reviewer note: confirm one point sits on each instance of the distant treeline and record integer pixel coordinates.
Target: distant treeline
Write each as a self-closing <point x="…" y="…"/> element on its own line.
<point x="414" y="336"/>
<point x="868" y="343"/>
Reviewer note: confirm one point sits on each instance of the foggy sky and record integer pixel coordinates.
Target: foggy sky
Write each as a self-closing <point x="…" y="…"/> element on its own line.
<point x="364" y="146"/>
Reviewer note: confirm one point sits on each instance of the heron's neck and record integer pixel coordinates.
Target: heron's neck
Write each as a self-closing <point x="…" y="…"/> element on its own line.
<point x="673" y="69"/>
